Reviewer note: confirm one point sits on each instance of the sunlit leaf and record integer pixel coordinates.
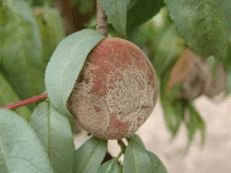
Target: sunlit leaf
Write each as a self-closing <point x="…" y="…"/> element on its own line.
<point x="110" y="166"/>
<point x="65" y="65"/>
<point x="136" y="159"/>
<point x="20" y="149"/>
<point x="54" y="132"/>
<point x="157" y="165"/>
<point x="90" y="155"/>
<point x="116" y="11"/>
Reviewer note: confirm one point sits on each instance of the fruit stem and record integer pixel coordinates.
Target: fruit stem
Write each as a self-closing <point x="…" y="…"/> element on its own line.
<point x="119" y="155"/>
<point x="122" y="147"/>
<point x="26" y="101"/>
<point x="101" y="19"/>
<point x="121" y="144"/>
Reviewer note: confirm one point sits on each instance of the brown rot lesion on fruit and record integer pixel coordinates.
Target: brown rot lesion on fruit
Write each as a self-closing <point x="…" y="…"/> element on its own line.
<point x="192" y="76"/>
<point x="217" y="82"/>
<point x="189" y="74"/>
<point x="116" y="90"/>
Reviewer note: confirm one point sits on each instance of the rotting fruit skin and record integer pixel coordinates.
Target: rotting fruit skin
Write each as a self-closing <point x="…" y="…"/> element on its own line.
<point x="189" y="72"/>
<point x="195" y="77"/>
<point x="116" y="90"/>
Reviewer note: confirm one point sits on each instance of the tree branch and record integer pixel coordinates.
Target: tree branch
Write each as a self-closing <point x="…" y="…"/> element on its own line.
<point x="101" y="20"/>
<point x="26" y="101"/>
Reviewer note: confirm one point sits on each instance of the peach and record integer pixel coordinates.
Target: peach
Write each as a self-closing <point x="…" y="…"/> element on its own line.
<point x="217" y="82"/>
<point x="116" y="90"/>
<point x="191" y="74"/>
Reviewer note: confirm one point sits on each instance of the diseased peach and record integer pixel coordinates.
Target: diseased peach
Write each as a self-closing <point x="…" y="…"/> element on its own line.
<point x="217" y="82"/>
<point x="195" y="77"/>
<point x="191" y="73"/>
<point x="116" y="90"/>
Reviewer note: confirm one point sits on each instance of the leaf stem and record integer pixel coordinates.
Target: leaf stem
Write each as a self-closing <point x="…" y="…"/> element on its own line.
<point x="101" y="19"/>
<point x="26" y="101"/>
<point x="122" y="146"/>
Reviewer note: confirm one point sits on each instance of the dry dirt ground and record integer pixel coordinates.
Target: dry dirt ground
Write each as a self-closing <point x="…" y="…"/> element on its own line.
<point x="213" y="157"/>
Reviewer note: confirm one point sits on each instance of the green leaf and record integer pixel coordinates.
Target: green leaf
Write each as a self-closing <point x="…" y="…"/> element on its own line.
<point x="131" y="3"/>
<point x="65" y="65"/>
<point x="20" y="149"/>
<point x="116" y="11"/>
<point x="169" y="48"/>
<point x="8" y="95"/>
<point x="29" y="1"/>
<point x="54" y="132"/>
<point x="84" y="7"/>
<point x="172" y="119"/>
<point x="136" y="159"/>
<point x="194" y="123"/>
<point x="202" y="24"/>
<point x="51" y="30"/>
<point x="20" y="48"/>
<point x="157" y="165"/>
<point x="229" y="81"/>
<point x="37" y="3"/>
<point x="110" y="166"/>
<point x="140" y="11"/>
<point x="89" y="156"/>
<point x="136" y="139"/>
<point x="226" y="6"/>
